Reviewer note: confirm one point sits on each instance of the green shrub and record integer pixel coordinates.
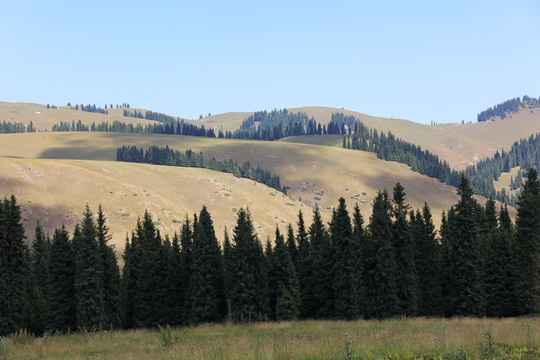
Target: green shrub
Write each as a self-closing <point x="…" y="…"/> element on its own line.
<point x="167" y="336"/>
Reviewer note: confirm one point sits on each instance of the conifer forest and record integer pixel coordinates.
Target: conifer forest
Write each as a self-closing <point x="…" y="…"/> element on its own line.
<point x="393" y="264"/>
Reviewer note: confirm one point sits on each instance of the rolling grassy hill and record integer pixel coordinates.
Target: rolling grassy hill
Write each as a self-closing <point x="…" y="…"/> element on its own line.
<point x="72" y="169"/>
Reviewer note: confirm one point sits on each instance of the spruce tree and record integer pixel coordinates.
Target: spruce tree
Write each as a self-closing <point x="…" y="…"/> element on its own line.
<point x="206" y="295"/>
<point x="499" y="273"/>
<point x="427" y="263"/>
<point x="347" y="277"/>
<point x="464" y="283"/>
<point x="321" y="281"/>
<point x="245" y="271"/>
<point x="130" y="280"/>
<point x="380" y="260"/>
<point x="62" y="285"/>
<point x="149" y="285"/>
<point x="528" y="245"/>
<point x="111" y="273"/>
<point x="40" y="292"/>
<point x="88" y="276"/>
<point x="14" y="269"/>
<point x="186" y="245"/>
<point x="284" y="293"/>
<point x="305" y="270"/>
<point x="406" y="278"/>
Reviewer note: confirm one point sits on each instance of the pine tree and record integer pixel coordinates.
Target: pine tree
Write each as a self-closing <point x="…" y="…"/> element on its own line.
<point x="284" y="293"/>
<point x="464" y="283"/>
<point x="14" y="268"/>
<point x="321" y="282"/>
<point x="40" y="292"/>
<point x="427" y="263"/>
<point x="111" y="273"/>
<point x="347" y="277"/>
<point x="528" y="245"/>
<point x="149" y="298"/>
<point x="245" y="271"/>
<point x="62" y="284"/>
<point x="88" y="276"/>
<point x="130" y="280"/>
<point x="206" y="296"/>
<point x="406" y="280"/>
<point x="380" y="260"/>
<point x="305" y="270"/>
<point x="186" y="246"/>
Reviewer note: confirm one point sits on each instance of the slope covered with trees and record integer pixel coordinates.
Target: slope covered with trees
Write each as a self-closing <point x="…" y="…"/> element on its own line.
<point x="168" y="156"/>
<point x="482" y="265"/>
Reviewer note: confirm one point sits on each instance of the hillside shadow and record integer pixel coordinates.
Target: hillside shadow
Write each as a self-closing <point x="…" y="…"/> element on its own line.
<point x="79" y="149"/>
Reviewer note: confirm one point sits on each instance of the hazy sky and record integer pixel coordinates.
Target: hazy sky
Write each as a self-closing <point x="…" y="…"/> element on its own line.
<point x="441" y="61"/>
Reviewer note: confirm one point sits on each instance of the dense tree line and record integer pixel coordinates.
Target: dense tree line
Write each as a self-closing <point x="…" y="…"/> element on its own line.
<point x="506" y="107"/>
<point x="151" y="115"/>
<point x="178" y="128"/>
<point x="168" y="156"/>
<point x="480" y="265"/>
<point x="275" y="125"/>
<point x="91" y="108"/>
<point x="8" y="127"/>
<point x="525" y="154"/>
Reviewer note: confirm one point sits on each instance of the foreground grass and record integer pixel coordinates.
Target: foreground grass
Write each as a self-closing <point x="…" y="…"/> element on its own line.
<point x="417" y="338"/>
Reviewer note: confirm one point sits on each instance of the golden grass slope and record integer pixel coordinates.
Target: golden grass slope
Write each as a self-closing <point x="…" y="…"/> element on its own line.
<point x="316" y="176"/>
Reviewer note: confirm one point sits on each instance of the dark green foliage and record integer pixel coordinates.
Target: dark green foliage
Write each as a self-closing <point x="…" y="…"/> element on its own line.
<point x="14" y="269"/>
<point x="304" y="270"/>
<point x="380" y="260"/>
<point x="244" y="270"/>
<point x="62" y="285"/>
<point x="169" y="128"/>
<point x="502" y="109"/>
<point x="111" y="274"/>
<point x="186" y="248"/>
<point x="150" y="284"/>
<point x="206" y="296"/>
<point x="528" y="245"/>
<point x="16" y="127"/>
<point x="284" y="291"/>
<point x="321" y="281"/>
<point x="130" y="280"/>
<point x="40" y="283"/>
<point x="89" y="276"/>
<point x="427" y="263"/>
<point x="464" y="272"/>
<point x="347" y="274"/>
<point x="499" y="272"/>
<point x="167" y="156"/>
<point x="406" y="278"/>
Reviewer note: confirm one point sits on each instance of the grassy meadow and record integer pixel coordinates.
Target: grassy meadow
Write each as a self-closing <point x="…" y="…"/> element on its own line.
<point x="416" y="338"/>
<point x="53" y="175"/>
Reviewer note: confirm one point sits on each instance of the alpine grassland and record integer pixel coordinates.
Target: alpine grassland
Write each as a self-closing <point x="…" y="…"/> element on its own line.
<point x="404" y="338"/>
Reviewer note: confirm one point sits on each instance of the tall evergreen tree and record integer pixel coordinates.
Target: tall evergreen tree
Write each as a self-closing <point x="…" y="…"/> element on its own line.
<point x="528" y="245"/>
<point x="427" y="263"/>
<point x="111" y="273"/>
<point x="130" y="280"/>
<point x="186" y="244"/>
<point x="321" y="282"/>
<point x="62" y="285"/>
<point x="406" y="278"/>
<point x="206" y="296"/>
<point x="380" y="260"/>
<point x="465" y="288"/>
<point x="305" y="270"/>
<point x="40" y="287"/>
<point x="14" y="268"/>
<point x="88" y="276"/>
<point x="347" y="277"/>
<point x="284" y="293"/>
<point x="245" y="270"/>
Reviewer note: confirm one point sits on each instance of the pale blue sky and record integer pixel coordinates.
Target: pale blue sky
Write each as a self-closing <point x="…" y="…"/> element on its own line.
<point x="441" y="61"/>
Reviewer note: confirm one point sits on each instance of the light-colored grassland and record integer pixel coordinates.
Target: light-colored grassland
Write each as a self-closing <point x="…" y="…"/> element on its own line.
<point x="416" y="338"/>
<point x="316" y="176"/>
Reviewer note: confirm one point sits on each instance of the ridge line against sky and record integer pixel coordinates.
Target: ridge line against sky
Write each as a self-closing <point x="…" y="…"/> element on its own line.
<point x="418" y="60"/>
